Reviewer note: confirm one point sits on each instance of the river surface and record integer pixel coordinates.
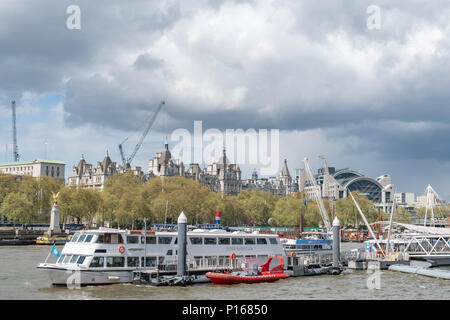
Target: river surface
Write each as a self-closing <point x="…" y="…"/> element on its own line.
<point x="20" y="279"/>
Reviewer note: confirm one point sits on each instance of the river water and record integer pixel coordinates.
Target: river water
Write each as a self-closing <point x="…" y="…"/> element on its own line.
<point x="20" y="279"/>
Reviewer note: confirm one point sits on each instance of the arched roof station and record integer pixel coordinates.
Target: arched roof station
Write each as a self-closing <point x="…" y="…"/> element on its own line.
<point x="367" y="186"/>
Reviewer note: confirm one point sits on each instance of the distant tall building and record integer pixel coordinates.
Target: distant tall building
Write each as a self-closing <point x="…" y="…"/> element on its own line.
<point x="35" y="168"/>
<point x="163" y="164"/>
<point x="228" y="175"/>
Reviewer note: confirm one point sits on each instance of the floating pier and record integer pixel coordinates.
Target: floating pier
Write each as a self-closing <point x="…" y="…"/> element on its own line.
<point x="435" y="273"/>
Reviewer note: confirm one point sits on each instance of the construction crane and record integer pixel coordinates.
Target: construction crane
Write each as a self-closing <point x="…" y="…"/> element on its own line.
<point x="15" y="146"/>
<point x="317" y="194"/>
<point x="127" y="162"/>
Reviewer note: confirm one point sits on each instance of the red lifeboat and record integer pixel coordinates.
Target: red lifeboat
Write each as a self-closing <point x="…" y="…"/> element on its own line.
<point x="266" y="275"/>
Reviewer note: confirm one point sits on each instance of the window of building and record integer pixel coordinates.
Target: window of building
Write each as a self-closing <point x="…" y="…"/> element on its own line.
<point x="114" y="262"/>
<point x="237" y="241"/>
<point x="97" y="262"/>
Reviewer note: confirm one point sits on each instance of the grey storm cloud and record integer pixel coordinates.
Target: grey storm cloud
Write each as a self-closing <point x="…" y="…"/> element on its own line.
<point x="291" y="65"/>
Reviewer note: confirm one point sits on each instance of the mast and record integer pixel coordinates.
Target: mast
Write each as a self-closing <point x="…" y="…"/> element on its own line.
<point x="15" y="147"/>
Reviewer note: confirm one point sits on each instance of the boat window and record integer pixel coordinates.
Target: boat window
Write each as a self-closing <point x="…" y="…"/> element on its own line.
<point x="74" y="259"/>
<point x="133" y="261"/>
<point x="116" y="238"/>
<point x="224" y="241"/>
<point x="169" y="253"/>
<point x="150" y="262"/>
<point x="97" y="262"/>
<point x="81" y="259"/>
<point x="112" y="262"/>
<point x="249" y="240"/>
<point x="210" y="240"/>
<point x="75" y="237"/>
<point x="164" y="240"/>
<point x="223" y="260"/>
<point x="89" y="238"/>
<point x="100" y="251"/>
<point x="66" y="259"/>
<point x="273" y="241"/>
<point x="196" y="240"/>
<point x="237" y="241"/>
<point x="81" y="238"/>
<point x="60" y="259"/>
<point x="132" y="239"/>
<point x="160" y="260"/>
<point x="100" y="238"/>
<point x="150" y="240"/>
<point x="176" y="240"/>
<point x="261" y="241"/>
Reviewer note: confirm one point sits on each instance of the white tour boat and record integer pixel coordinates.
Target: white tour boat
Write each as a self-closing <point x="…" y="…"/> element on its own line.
<point x="310" y="243"/>
<point x="107" y="256"/>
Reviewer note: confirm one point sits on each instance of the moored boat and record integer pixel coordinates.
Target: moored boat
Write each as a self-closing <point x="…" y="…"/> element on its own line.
<point x="263" y="275"/>
<point x="107" y="256"/>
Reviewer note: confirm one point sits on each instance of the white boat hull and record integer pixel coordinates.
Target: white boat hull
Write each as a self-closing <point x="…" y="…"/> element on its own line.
<point x="74" y="278"/>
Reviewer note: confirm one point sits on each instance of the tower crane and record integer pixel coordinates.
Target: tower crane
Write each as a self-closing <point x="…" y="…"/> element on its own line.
<point x="317" y="195"/>
<point x="15" y="146"/>
<point x="126" y="162"/>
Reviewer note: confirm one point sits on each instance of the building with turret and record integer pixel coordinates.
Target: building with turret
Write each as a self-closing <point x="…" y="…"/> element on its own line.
<point x="163" y="165"/>
<point x="86" y="175"/>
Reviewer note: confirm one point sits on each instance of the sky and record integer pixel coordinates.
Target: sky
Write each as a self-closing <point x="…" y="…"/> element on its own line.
<point x="372" y="99"/>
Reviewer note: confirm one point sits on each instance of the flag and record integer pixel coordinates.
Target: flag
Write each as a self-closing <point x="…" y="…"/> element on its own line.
<point x="55" y="252"/>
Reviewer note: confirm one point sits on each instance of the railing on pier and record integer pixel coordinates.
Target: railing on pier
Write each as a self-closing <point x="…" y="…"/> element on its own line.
<point x="427" y="246"/>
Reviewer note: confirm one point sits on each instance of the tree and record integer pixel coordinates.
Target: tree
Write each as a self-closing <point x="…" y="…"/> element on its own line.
<point x="39" y="191"/>
<point x="287" y="211"/>
<point x="349" y="215"/>
<point x="18" y="208"/>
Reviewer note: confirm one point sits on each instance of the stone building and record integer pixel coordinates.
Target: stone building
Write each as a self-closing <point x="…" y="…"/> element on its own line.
<point x="35" y="168"/>
<point x="283" y="185"/>
<point x="86" y="175"/>
<point x="163" y="164"/>
<point x="220" y="176"/>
